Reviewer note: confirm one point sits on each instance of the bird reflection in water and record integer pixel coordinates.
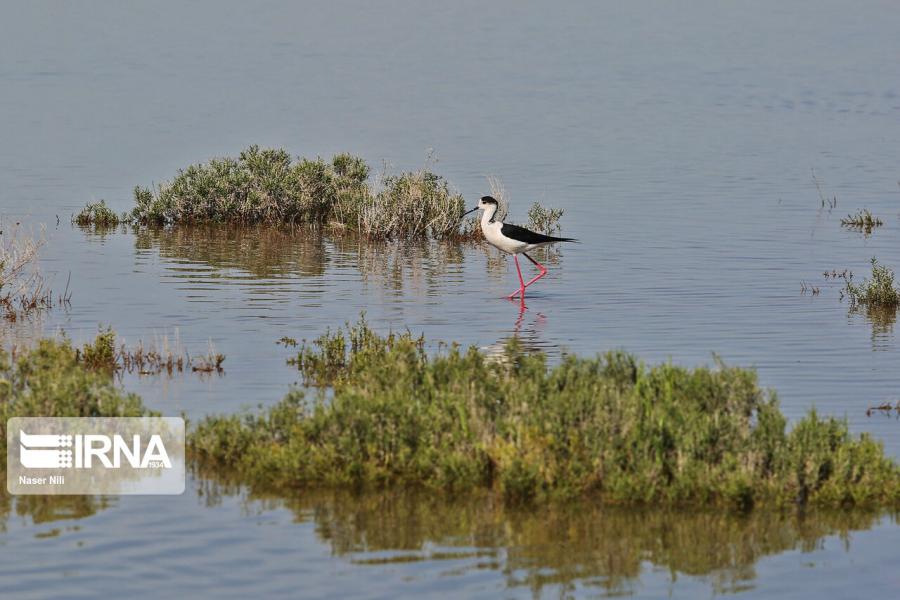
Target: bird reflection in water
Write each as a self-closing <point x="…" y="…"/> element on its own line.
<point x="527" y="331"/>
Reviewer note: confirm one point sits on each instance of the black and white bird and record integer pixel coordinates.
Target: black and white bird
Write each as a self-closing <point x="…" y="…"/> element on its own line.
<point x="514" y="240"/>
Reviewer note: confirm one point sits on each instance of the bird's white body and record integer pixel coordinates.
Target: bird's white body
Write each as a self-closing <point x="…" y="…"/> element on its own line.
<point x="491" y="231"/>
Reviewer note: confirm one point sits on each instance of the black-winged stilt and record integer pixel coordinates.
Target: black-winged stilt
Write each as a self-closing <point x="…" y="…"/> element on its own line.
<point x="514" y="240"/>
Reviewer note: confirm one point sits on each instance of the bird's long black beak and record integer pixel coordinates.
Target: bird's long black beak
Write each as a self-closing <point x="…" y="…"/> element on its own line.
<point x="467" y="212"/>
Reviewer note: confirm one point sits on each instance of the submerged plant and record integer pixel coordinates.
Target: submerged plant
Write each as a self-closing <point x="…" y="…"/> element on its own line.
<point x="863" y="221"/>
<point x="385" y="412"/>
<point x="877" y="292"/>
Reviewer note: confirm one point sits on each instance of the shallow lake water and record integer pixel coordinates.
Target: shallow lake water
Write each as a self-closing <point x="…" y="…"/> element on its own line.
<point x="685" y="144"/>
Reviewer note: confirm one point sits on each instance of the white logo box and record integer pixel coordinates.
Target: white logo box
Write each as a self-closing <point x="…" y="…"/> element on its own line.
<point x="95" y="455"/>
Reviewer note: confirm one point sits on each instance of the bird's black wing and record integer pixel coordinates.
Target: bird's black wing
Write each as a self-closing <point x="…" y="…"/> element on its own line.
<point x="529" y="237"/>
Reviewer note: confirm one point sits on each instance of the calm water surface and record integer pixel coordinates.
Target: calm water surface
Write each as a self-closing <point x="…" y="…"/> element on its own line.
<point x="680" y="140"/>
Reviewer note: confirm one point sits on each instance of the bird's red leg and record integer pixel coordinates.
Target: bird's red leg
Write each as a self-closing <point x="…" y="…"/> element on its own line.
<point x="539" y="266"/>
<point x="521" y="290"/>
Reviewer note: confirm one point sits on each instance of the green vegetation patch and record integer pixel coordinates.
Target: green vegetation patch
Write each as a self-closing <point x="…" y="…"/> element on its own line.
<point x="382" y="411"/>
<point x="544" y="220"/>
<point x="268" y="186"/>
<point x="97" y="214"/>
<point x="863" y="221"/>
<point x="55" y="379"/>
<point x="877" y="292"/>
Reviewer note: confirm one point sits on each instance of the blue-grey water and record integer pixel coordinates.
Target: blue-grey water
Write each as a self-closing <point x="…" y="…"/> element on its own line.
<point x="684" y="142"/>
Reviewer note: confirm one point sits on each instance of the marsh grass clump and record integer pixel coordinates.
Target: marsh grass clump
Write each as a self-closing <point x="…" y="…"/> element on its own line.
<point x="333" y="357"/>
<point x="875" y="293"/>
<point x="384" y="412"/>
<point x="862" y="221"/>
<point x="162" y="356"/>
<point x="98" y="215"/>
<point x="211" y="362"/>
<point x="416" y="204"/>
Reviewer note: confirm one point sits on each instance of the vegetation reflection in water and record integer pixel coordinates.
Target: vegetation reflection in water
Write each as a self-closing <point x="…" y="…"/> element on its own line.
<point x="267" y="252"/>
<point x="557" y="546"/>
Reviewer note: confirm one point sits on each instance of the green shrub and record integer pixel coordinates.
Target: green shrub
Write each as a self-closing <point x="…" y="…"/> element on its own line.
<point x="414" y="204"/>
<point x="54" y="379"/>
<point x="879" y="291"/>
<point x="267" y="186"/>
<point x="544" y="220"/>
<point x="388" y="413"/>
<point x="260" y="186"/>
<point x="98" y="215"/>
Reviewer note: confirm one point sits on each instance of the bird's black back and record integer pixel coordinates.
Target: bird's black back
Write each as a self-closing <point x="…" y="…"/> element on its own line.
<point x="529" y="237"/>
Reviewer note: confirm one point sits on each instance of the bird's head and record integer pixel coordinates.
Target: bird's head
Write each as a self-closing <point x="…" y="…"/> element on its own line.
<point x="486" y="203"/>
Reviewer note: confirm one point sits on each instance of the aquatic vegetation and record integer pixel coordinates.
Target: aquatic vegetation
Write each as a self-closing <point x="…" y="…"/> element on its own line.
<point x="828" y="201"/>
<point x="863" y="221"/>
<point x="418" y="204"/>
<point x="806" y="288"/>
<point x="23" y="289"/>
<point x="211" y="362"/>
<point x="381" y="411"/>
<point x="97" y="214"/>
<point x="18" y="259"/>
<point x="885" y="408"/>
<point x="260" y="186"/>
<point x="877" y="292"/>
<point x="544" y="220"/>
<point x="161" y="356"/>
<point x="267" y="186"/>
<point x="55" y="379"/>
